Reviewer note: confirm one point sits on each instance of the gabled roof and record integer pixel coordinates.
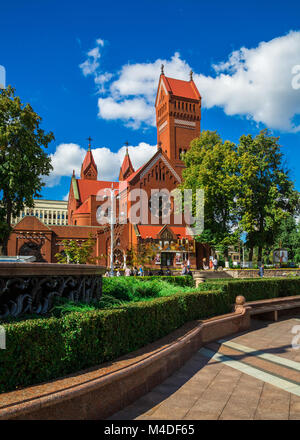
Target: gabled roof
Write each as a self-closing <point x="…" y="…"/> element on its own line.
<point x="178" y="87"/>
<point x="126" y="166"/>
<point x="31" y="223"/>
<point x="91" y="187"/>
<point x="155" y="230"/>
<point x="159" y="154"/>
<point x="83" y="209"/>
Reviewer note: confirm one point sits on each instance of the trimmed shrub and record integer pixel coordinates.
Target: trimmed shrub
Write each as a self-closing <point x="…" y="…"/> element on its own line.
<point x="43" y="349"/>
<point x="255" y="289"/>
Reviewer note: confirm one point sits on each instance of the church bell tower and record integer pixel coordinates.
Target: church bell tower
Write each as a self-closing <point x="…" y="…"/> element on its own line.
<point x="178" y="116"/>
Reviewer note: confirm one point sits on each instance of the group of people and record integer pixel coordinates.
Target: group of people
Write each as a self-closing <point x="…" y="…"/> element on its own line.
<point x="212" y="264"/>
<point x="134" y="271"/>
<point x="186" y="268"/>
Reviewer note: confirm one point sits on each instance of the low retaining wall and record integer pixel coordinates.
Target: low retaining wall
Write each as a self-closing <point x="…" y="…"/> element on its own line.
<point x="30" y="287"/>
<point x="100" y="392"/>
<point x="268" y="273"/>
<point x="244" y="273"/>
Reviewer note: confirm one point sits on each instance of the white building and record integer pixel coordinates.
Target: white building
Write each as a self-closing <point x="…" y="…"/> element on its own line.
<point x="50" y="212"/>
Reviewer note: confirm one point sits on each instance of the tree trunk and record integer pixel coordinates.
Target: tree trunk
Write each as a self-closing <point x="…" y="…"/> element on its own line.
<point x="251" y="254"/>
<point x="259" y="256"/>
<point x="6" y="234"/>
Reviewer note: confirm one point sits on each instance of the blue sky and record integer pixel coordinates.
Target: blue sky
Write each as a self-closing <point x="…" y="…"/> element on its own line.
<point x="90" y="69"/>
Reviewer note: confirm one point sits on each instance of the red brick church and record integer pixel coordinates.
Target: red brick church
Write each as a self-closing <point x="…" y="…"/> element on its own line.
<point x="178" y="116"/>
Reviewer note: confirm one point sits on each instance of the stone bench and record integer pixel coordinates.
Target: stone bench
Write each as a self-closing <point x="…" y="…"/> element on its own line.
<point x="270" y="308"/>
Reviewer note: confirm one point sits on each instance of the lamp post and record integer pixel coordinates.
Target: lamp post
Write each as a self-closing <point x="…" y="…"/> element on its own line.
<point x="113" y="195"/>
<point x="112" y="192"/>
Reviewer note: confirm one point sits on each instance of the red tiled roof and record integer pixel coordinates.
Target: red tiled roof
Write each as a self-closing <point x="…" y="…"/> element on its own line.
<point x="126" y="164"/>
<point x="153" y="231"/>
<point x="134" y="174"/>
<point x="70" y="231"/>
<point x="83" y="209"/>
<point x="91" y="187"/>
<point x="185" y="89"/>
<point x="89" y="159"/>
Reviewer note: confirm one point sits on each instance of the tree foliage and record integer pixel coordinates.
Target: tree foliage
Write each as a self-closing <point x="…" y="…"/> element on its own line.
<point x="247" y="188"/>
<point x="140" y="255"/>
<point x="212" y="165"/>
<point x="288" y="237"/>
<point x="23" y="161"/>
<point x="76" y="253"/>
<point x="267" y="196"/>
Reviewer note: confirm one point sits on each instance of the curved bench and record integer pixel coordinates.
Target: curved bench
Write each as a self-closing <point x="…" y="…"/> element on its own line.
<point x="270" y="308"/>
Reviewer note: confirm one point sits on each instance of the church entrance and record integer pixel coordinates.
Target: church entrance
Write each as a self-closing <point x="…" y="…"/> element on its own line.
<point x="167" y="258"/>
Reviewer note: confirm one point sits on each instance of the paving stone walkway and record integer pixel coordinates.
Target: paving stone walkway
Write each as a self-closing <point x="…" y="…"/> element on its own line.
<point x="252" y="375"/>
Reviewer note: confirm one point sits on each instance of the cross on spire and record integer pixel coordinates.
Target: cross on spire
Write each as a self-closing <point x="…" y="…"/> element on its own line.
<point x="90" y="140"/>
<point x="126" y="143"/>
<point x="162" y="69"/>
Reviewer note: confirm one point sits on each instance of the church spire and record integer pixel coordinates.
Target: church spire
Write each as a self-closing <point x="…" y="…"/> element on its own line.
<point x="89" y="168"/>
<point x="126" y="168"/>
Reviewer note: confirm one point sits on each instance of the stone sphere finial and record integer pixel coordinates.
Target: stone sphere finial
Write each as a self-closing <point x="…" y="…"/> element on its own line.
<point x="240" y="300"/>
<point x="162" y="69"/>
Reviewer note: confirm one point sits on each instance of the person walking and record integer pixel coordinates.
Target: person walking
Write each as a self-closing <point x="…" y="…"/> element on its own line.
<point x="183" y="269"/>
<point x="261" y="270"/>
<point x="215" y="263"/>
<point x="127" y="272"/>
<point x="141" y="272"/>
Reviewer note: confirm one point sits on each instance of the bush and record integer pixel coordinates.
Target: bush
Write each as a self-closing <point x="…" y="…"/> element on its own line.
<point x="135" y="288"/>
<point x="43" y="349"/>
<point x="255" y="289"/>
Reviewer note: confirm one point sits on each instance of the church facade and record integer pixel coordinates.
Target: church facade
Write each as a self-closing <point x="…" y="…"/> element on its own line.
<point x="153" y="235"/>
<point x="178" y="118"/>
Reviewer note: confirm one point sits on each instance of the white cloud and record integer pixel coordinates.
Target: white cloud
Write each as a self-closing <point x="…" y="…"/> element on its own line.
<point x="69" y="157"/>
<point x="66" y="197"/>
<point x="2" y="77"/>
<point x="91" y="64"/>
<point x="131" y="97"/>
<point x="255" y="83"/>
<point x="134" y="111"/>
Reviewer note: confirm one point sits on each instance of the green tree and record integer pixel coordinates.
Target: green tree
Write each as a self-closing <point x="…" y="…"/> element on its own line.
<point x="212" y="165"/>
<point x="141" y="255"/>
<point x="266" y="194"/>
<point x="23" y="162"/>
<point x="75" y="253"/>
<point x="288" y="237"/>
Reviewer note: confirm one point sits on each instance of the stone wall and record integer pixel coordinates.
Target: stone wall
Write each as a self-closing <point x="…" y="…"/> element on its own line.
<point x="268" y="273"/>
<point x="245" y="273"/>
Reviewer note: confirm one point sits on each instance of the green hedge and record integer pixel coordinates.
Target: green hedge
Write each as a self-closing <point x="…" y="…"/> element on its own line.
<point x="255" y="289"/>
<point x="43" y="349"/>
